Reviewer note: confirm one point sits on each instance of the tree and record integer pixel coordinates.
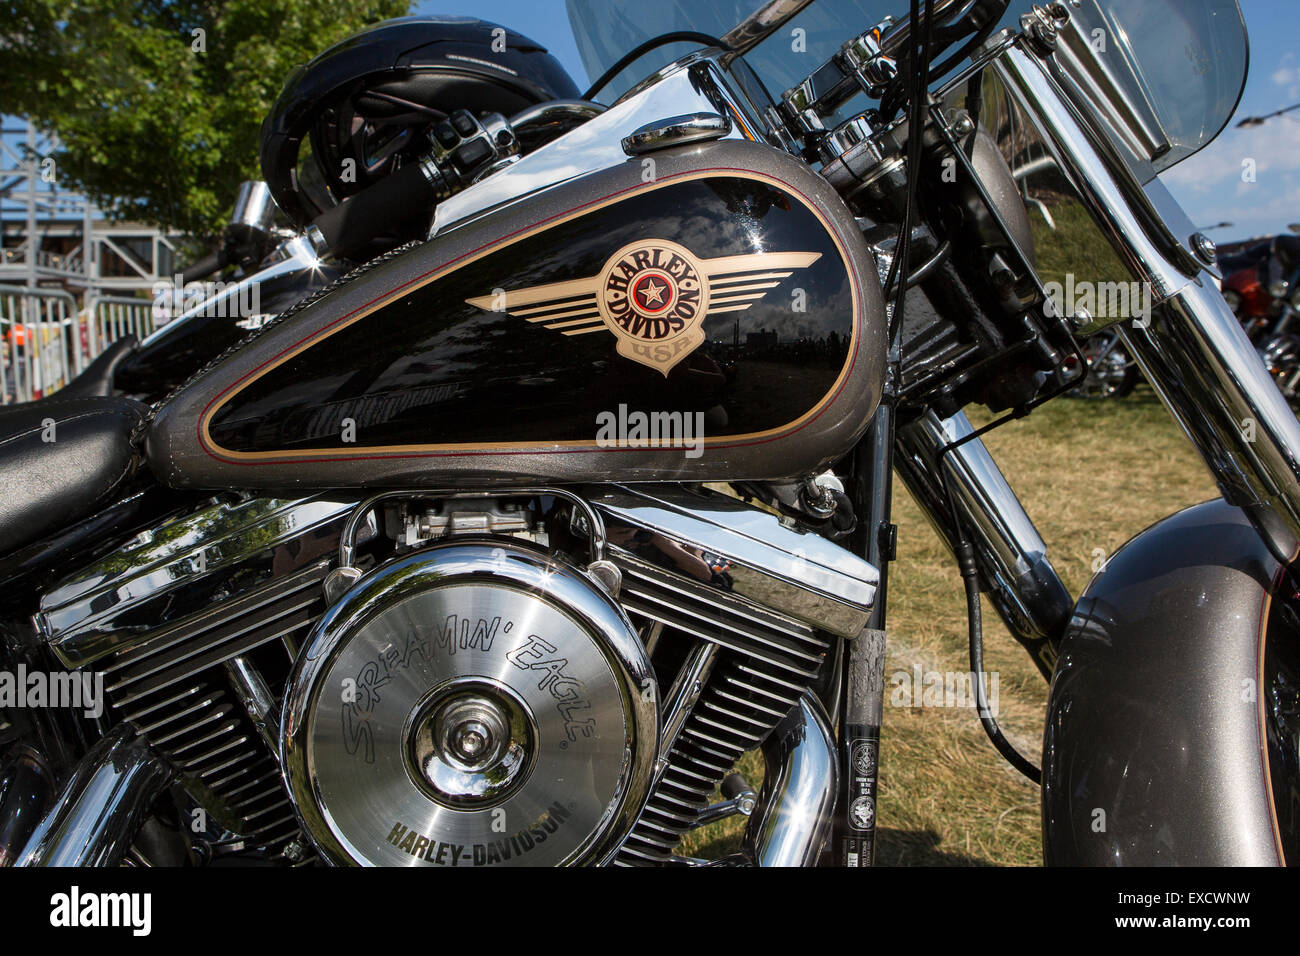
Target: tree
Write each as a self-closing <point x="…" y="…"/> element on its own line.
<point x="157" y="104"/>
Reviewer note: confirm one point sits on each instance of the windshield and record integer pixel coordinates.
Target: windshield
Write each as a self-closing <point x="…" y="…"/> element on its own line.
<point x="1183" y="60"/>
<point x="607" y="29"/>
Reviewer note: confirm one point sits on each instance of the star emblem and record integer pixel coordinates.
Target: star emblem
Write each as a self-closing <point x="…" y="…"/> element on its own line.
<point x="651" y="293"/>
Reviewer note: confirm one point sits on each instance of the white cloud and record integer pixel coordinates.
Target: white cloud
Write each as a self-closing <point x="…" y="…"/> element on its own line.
<point x="1211" y="188"/>
<point x="1287" y="76"/>
<point x="1272" y="150"/>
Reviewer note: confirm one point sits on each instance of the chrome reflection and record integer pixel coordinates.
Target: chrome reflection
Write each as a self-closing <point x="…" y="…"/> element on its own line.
<point x="513" y="688"/>
<point x="96" y="611"/>
<point x="713" y="538"/>
<point x="699" y="83"/>
<point x="293" y="258"/>
<point x="1199" y="360"/>
<point x="1193" y="350"/>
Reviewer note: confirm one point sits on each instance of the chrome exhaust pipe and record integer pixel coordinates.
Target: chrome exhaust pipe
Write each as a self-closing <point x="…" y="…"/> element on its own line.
<point x="792" y="821"/>
<point x="26" y="791"/>
<point x="103" y="806"/>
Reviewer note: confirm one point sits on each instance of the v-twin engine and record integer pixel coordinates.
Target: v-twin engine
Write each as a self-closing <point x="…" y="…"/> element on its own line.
<point x="530" y="677"/>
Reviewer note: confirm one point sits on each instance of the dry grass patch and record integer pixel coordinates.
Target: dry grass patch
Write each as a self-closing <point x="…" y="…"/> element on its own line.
<point x="1091" y="475"/>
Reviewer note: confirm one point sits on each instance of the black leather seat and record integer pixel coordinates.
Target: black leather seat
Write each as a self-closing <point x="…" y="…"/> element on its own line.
<point x="61" y="459"/>
<point x="96" y="379"/>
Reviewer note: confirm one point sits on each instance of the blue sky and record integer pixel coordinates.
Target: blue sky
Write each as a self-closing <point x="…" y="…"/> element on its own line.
<point x="1209" y="185"/>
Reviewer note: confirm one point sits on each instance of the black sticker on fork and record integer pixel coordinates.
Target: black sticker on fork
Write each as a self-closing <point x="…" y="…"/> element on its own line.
<point x="863" y="755"/>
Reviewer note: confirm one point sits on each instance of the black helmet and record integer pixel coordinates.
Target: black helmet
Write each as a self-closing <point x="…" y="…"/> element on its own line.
<point x="369" y="98"/>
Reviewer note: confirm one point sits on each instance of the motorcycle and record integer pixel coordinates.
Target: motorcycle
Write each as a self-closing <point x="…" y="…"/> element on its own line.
<point x="1111" y="372"/>
<point x="504" y="547"/>
<point x="1260" y="287"/>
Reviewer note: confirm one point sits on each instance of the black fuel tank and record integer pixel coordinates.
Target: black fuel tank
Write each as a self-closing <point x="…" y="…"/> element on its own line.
<point x="720" y="321"/>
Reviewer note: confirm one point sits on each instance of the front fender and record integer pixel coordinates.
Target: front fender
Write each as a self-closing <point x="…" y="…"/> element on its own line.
<point x="1156" y="750"/>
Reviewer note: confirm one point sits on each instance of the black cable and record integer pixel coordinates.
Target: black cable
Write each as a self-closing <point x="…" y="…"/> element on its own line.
<point x="918" y="95"/>
<point x="965" y="554"/>
<point x="627" y="59"/>
<point x="922" y="272"/>
<point x="980" y="21"/>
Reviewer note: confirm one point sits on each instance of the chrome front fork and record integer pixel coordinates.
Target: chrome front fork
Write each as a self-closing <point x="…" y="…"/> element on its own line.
<point x="1197" y="357"/>
<point x="1019" y="578"/>
<point x="1193" y="349"/>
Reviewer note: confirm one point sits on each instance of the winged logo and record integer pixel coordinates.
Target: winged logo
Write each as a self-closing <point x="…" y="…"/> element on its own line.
<point x="653" y="295"/>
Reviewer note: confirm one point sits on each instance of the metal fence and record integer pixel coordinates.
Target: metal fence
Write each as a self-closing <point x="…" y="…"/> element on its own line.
<point x="108" y="318"/>
<point x="42" y="347"/>
<point x="46" y="340"/>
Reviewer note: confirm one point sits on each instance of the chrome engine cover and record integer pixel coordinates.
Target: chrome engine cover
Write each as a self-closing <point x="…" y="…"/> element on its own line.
<point x="476" y="703"/>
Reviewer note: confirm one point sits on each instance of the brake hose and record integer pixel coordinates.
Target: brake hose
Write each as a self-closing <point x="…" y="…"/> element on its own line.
<point x="970" y="575"/>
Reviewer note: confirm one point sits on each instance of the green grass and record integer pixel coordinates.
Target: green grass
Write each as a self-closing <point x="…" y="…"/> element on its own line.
<point x="1091" y="475"/>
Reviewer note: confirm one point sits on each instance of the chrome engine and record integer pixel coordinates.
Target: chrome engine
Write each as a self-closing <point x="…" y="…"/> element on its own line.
<point x="532" y="677"/>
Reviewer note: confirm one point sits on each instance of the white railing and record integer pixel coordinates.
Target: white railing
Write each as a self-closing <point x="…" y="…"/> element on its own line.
<point x="47" y="341"/>
<point x="108" y="318"/>
<point x="41" y="346"/>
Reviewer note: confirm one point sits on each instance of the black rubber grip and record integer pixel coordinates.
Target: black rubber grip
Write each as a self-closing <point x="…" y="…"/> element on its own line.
<point x="205" y="267"/>
<point x="391" y="202"/>
<point x="733" y="785"/>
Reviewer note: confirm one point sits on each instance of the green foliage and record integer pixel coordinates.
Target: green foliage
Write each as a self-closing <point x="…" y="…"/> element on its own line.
<point x="157" y="104"/>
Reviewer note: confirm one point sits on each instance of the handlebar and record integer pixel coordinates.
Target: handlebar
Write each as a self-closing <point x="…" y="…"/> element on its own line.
<point x="394" y="201"/>
<point x="208" y="265"/>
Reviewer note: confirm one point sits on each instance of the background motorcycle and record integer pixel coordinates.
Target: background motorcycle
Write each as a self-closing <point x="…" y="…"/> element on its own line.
<point x="1112" y="373"/>
<point x="428" y="619"/>
<point x="1261" y="285"/>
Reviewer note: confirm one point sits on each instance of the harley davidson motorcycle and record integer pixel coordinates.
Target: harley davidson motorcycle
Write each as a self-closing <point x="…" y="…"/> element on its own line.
<point x="504" y="546"/>
<point x="1260" y="284"/>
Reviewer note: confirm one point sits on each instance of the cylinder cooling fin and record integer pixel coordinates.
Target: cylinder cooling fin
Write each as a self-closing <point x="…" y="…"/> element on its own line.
<point x="478" y="703"/>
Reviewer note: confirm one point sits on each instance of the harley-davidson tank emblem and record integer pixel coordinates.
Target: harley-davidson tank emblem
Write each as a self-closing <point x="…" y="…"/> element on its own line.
<point x="653" y="295"/>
